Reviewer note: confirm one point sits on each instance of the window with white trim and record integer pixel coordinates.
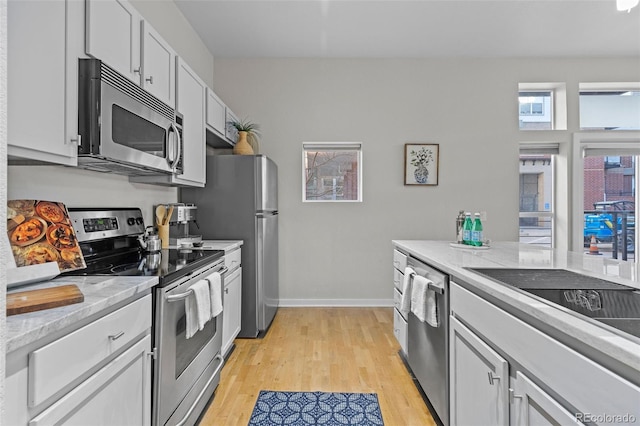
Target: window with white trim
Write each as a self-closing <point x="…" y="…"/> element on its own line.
<point x="536" y="193"/>
<point x="542" y="106"/>
<point x="331" y="171"/>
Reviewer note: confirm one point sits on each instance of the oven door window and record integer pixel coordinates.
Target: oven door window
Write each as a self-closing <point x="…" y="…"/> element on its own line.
<point x="135" y="132"/>
<point x="188" y="349"/>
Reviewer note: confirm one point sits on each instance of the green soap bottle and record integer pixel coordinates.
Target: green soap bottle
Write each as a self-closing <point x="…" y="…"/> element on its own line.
<point x="476" y="231"/>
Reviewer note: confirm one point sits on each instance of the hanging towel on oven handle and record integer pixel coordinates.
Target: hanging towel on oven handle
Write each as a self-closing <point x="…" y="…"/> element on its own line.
<point x="215" y="290"/>
<point x="197" y="307"/>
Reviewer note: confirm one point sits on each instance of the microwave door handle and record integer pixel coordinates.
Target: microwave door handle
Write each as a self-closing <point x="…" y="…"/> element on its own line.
<point x="171" y="154"/>
<point x="178" y="146"/>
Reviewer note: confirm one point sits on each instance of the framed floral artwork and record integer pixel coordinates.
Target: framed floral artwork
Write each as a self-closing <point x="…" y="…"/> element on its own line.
<point x="421" y="164"/>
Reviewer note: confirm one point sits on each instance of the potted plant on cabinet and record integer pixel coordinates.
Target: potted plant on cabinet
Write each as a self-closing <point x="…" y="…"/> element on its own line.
<point x="248" y="132"/>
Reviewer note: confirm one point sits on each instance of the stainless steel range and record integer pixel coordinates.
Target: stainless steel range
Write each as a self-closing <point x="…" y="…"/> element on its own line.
<point x="186" y="371"/>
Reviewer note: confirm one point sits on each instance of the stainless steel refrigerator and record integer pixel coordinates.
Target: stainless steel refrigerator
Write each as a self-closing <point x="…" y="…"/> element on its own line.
<point x="240" y="202"/>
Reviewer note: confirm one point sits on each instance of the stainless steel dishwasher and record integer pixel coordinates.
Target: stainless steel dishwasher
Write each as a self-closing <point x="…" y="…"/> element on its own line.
<point x="429" y="346"/>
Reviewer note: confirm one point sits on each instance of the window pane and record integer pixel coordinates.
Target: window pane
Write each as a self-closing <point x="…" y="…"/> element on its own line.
<point x="609" y="209"/>
<point x="332" y="175"/>
<point x="535" y="110"/>
<point x="536" y="213"/>
<point x="610" y="110"/>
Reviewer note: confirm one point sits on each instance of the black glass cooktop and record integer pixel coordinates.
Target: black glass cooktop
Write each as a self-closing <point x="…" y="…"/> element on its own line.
<point x="167" y="264"/>
<point x="611" y="303"/>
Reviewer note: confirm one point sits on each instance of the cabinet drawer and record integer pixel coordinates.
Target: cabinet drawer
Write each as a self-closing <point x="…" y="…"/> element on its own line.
<point x="232" y="259"/>
<point x="400" y="330"/>
<point x="59" y="363"/>
<point x="399" y="260"/>
<point x="398" y="279"/>
<point x="397" y="298"/>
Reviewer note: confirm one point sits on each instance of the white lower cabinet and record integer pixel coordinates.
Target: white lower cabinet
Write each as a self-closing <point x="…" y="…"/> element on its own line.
<point x="479" y="380"/>
<point x="118" y="394"/>
<point x="505" y="371"/>
<point x="530" y="405"/>
<point x="232" y="299"/>
<point x="98" y="373"/>
<point x="400" y="326"/>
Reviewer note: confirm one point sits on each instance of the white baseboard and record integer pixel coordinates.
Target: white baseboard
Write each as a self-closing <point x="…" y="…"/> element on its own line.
<point x="369" y="303"/>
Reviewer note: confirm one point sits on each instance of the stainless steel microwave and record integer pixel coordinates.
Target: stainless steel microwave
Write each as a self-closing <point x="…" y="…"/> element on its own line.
<point x="123" y="128"/>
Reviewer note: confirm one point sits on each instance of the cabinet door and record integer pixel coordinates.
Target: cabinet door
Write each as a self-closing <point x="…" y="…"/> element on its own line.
<point x="232" y="314"/>
<point x="191" y="104"/>
<point x="479" y="380"/>
<point x="231" y="132"/>
<point x="216" y="113"/>
<point x="37" y="85"/>
<point x="113" y="35"/>
<point x="158" y="65"/>
<point x="530" y="405"/>
<point x="118" y="394"/>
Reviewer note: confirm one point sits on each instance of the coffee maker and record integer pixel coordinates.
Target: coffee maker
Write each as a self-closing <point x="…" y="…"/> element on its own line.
<point x="182" y="215"/>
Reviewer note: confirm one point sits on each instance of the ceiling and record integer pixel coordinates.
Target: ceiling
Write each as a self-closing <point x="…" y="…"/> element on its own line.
<point x="414" y="29"/>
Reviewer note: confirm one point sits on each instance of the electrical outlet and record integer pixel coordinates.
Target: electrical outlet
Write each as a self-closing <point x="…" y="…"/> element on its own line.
<point x="483" y="216"/>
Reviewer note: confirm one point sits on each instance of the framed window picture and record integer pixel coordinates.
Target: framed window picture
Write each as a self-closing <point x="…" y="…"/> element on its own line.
<point x="421" y="164"/>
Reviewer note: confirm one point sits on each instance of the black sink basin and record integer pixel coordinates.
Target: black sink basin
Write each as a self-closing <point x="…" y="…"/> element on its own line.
<point x="547" y="279"/>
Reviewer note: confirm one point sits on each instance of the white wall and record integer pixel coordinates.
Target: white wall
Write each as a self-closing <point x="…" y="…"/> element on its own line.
<point x="3" y="194"/>
<point x="332" y="253"/>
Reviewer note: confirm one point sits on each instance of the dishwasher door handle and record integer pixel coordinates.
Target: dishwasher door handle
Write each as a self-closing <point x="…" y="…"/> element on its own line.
<point x="432" y="286"/>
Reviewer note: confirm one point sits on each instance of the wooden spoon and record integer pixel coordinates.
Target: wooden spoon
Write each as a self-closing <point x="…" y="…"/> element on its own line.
<point x="169" y="214"/>
<point x="161" y="213"/>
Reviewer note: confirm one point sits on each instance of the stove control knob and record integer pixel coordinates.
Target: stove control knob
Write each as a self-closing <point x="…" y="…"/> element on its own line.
<point x="139" y="220"/>
<point x="131" y="221"/>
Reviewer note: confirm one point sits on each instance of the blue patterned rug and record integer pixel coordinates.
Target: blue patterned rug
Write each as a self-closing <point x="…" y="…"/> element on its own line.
<point x="316" y="408"/>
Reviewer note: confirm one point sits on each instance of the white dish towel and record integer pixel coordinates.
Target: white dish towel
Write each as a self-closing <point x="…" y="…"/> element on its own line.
<point x="405" y="301"/>
<point x="419" y="297"/>
<point x="197" y="307"/>
<point x="215" y="290"/>
<point x="432" y="309"/>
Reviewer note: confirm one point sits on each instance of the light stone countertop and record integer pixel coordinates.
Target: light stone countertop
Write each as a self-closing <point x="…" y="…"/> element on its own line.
<point x="100" y="293"/>
<point x="617" y="350"/>
<point x="225" y="245"/>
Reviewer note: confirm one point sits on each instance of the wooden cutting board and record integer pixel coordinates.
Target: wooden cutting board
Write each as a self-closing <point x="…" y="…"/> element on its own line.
<point x="46" y="298"/>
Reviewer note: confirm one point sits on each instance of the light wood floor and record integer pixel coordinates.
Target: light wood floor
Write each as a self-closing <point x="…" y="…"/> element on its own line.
<point x="320" y="349"/>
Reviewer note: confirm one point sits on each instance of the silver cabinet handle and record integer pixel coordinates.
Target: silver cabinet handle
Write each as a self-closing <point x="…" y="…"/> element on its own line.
<point x="513" y="396"/>
<point x="113" y="337"/>
<point x="226" y="291"/>
<point x="136" y="71"/>
<point x="492" y="378"/>
<point x="77" y="140"/>
<point x="149" y="79"/>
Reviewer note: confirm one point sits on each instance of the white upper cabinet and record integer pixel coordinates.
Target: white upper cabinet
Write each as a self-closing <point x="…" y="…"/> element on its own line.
<point x="216" y="114"/>
<point x="44" y="42"/>
<point x="118" y="35"/>
<point x="113" y="35"/>
<point x="191" y="92"/>
<point x="231" y="131"/>
<point x="158" y="65"/>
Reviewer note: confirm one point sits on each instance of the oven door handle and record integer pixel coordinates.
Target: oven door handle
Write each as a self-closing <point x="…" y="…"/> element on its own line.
<point x="182" y="296"/>
<point x="213" y="376"/>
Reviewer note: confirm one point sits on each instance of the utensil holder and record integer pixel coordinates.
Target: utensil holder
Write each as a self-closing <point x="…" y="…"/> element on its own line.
<point x="163" y="233"/>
